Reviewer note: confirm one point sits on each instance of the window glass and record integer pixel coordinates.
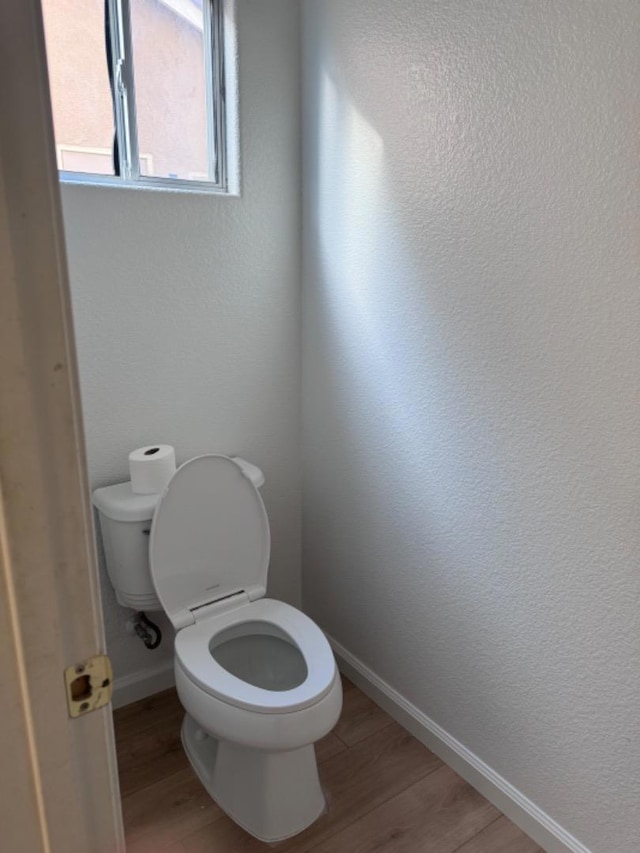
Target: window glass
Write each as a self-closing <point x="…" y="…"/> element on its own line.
<point x="169" y="63"/>
<point x="164" y="104"/>
<point x="79" y="81"/>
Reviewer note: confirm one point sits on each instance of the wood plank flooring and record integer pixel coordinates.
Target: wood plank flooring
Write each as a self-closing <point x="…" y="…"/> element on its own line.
<point x="386" y="792"/>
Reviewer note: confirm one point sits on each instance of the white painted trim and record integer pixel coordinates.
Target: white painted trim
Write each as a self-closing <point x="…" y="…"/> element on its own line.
<point x="145" y="682"/>
<point x="544" y="830"/>
<point x="232" y="96"/>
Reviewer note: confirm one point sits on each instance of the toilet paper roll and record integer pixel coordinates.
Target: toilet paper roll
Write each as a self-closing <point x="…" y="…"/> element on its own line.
<point x="151" y="468"/>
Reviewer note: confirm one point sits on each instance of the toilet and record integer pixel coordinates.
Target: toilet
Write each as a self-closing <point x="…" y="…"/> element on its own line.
<point x="256" y="677"/>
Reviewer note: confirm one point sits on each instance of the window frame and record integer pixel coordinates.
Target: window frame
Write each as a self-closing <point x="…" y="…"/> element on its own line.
<point x="124" y="108"/>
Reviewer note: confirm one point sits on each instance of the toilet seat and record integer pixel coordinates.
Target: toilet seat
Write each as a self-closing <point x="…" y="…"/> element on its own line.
<point x="197" y="662"/>
<point x="209" y="540"/>
<point x="209" y="559"/>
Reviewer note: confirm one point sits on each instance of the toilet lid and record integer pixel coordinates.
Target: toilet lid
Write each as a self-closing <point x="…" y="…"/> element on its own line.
<point x="209" y="538"/>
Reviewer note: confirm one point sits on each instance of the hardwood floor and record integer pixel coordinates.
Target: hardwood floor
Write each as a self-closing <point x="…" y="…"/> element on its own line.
<point x="386" y="792"/>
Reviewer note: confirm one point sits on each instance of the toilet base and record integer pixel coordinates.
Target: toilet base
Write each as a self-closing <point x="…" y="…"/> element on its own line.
<point x="271" y="795"/>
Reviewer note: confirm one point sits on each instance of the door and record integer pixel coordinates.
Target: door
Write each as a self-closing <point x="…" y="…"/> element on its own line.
<point x="58" y="780"/>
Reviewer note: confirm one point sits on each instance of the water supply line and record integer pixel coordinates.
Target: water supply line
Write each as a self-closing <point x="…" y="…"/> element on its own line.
<point x="148" y="631"/>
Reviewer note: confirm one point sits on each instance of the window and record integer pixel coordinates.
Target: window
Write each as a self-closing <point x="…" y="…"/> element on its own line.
<point x="137" y="91"/>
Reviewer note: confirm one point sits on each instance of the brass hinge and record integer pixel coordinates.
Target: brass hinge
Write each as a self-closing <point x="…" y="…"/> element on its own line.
<point x="89" y="685"/>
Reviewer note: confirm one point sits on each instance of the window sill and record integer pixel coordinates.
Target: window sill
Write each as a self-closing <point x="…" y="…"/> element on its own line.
<point x="166" y="185"/>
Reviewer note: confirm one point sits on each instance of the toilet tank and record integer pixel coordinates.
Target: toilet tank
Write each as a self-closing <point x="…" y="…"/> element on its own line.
<point x="125" y="524"/>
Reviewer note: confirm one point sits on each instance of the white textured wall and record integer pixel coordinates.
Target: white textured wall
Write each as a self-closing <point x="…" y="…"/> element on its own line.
<point x="472" y="378"/>
<point x="187" y="310"/>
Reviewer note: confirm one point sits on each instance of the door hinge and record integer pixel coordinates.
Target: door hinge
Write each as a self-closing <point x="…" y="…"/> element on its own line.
<point x="89" y="685"/>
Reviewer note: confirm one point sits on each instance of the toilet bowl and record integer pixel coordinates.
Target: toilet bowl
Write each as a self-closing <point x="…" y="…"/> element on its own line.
<point x="260" y="686"/>
<point x="257" y="678"/>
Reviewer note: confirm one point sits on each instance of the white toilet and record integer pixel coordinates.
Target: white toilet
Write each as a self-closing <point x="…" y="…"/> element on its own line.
<point x="256" y="677"/>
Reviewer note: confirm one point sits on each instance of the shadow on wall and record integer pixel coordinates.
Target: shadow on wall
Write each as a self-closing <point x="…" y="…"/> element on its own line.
<point x="414" y="339"/>
<point x="372" y="369"/>
<point x="470" y="456"/>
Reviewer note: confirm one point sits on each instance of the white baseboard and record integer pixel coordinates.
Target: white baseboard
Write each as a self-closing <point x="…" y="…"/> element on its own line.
<point x="138" y="685"/>
<point x="520" y="809"/>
